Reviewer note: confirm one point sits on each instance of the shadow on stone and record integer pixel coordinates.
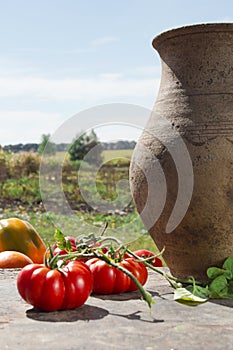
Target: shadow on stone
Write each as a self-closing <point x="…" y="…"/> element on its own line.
<point x="84" y="313"/>
<point x="136" y="316"/>
<point x="223" y="302"/>
<point x="123" y="296"/>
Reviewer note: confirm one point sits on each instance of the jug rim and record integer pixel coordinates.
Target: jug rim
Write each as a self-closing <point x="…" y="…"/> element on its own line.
<point x="192" y="29"/>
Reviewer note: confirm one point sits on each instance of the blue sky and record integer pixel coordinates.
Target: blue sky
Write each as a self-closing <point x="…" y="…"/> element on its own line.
<point x="60" y="57"/>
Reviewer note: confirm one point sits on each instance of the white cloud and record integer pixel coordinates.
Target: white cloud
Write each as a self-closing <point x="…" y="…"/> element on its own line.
<point x="22" y="125"/>
<point x="111" y="75"/>
<point x="29" y="117"/>
<point x="104" y="40"/>
<point x="151" y="71"/>
<point x="30" y="50"/>
<point x="101" y="87"/>
<point x="26" y="126"/>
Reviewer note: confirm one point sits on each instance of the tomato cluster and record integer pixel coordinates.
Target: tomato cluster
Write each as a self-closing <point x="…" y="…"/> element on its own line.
<point x="69" y="276"/>
<point x="70" y="286"/>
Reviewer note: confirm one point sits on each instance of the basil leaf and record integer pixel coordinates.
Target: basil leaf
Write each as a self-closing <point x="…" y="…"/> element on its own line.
<point x="218" y="287"/>
<point x="230" y="288"/>
<point x="228" y="291"/>
<point x="228" y="265"/>
<point x="202" y="292"/>
<point x="214" y="272"/>
<point x="220" y="295"/>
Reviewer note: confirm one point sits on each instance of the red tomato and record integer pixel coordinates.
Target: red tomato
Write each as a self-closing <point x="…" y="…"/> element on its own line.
<point x="138" y="269"/>
<point x="52" y="290"/>
<point x="78" y="281"/>
<point x="107" y="279"/>
<point x="104" y="249"/>
<point x="144" y="253"/>
<point x="110" y="280"/>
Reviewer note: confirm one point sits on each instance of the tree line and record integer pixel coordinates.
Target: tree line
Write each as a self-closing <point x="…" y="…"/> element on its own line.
<point x="63" y="147"/>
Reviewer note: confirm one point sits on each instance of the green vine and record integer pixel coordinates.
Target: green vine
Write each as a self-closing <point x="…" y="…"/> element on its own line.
<point x="186" y="291"/>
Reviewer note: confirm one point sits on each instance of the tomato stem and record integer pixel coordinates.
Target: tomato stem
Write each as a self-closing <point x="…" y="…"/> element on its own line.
<point x="173" y="281"/>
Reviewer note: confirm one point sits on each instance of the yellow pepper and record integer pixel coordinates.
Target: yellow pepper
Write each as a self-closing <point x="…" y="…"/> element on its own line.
<point x="19" y="235"/>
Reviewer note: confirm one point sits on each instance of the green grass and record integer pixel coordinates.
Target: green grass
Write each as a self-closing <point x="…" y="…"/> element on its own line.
<point x="107" y="154"/>
<point x="112" y="154"/>
<point x="23" y="185"/>
<point x="23" y="188"/>
<point x="128" y="228"/>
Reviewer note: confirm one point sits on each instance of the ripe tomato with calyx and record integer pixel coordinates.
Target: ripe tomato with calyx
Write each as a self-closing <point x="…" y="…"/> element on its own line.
<point x="55" y="289"/>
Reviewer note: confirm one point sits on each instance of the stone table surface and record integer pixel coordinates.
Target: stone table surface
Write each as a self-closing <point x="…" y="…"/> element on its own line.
<point x="115" y="322"/>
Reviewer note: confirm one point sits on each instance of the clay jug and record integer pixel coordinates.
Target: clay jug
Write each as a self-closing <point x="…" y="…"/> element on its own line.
<point x="181" y="173"/>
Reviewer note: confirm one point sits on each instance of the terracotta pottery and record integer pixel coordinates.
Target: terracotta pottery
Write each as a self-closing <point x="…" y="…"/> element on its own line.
<point x="183" y="161"/>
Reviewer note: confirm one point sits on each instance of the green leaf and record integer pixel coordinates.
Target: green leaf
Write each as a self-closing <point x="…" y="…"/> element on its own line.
<point x="218" y="284"/>
<point x="68" y="246"/>
<point x="60" y="239"/>
<point x="229" y="293"/>
<point x="219" y="295"/>
<point x="214" y="272"/>
<point x="199" y="291"/>
<point x="228" y="265"/>
<point x="184" y="296"/>
<point x="218" y="287"/>
<point x="230" y="287"/>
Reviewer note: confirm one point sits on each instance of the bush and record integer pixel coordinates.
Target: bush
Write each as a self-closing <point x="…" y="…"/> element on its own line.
<point x="46" y="145"/>
<point x="25" y="189"/>
<point x="4" y="166"/>
<point x="24" y="164"/>
<point x="86" y="146"/>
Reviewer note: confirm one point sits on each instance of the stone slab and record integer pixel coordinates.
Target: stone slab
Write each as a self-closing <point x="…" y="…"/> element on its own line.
<point x="115" y="322"/>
